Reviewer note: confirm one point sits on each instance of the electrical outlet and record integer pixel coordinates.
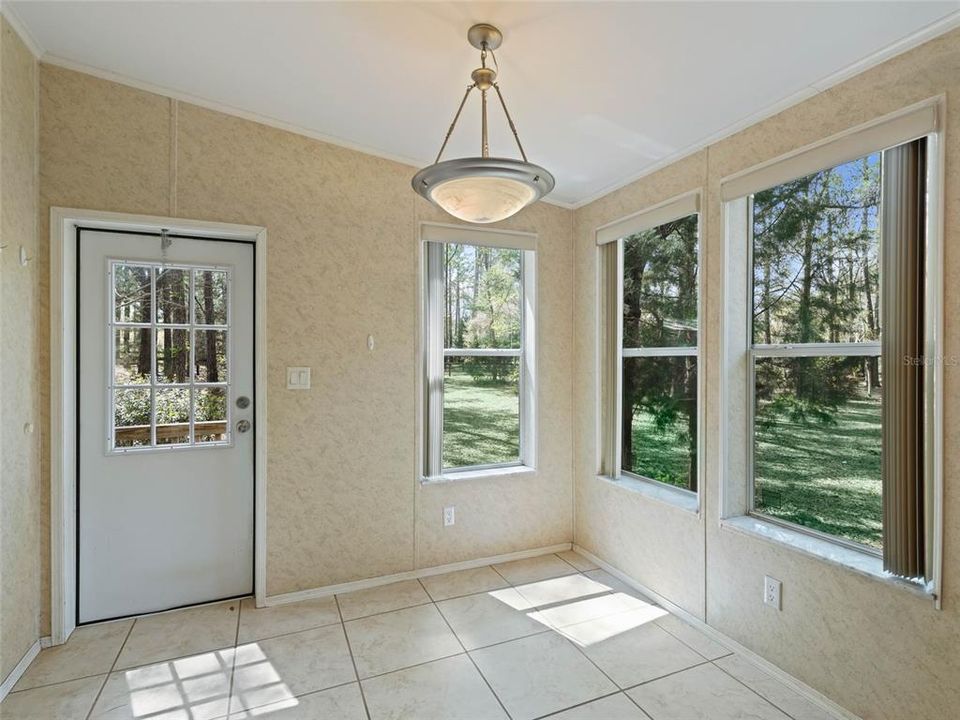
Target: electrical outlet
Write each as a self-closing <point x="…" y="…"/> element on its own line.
<point x="771" y="591"/>
<point x="449" y="516"/>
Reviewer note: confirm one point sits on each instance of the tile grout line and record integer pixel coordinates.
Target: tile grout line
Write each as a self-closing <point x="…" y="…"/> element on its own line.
<point x="590" y="660"/>
<point x="233" y="660"/>
<point x="293" y="696"/>
<point x="415" y="665"/>
<point x="580" y="705"/>
<point x="575" y="646"/>
<point x="545" y="628"/>
<point x="755" y="692"/>
<point x="637" y="705"/>
<point x="666" y="675"/>
<point x="470" y="658"/>
<point x="685" y="643"/>
<point x="341" y="622"/>
<point x="291" y="632"/>
<point x="353" y="660"/>
<point x="106" y="677"/>
<point x="382" y="612"/>
<point x="560" y="634"/>
<point x="55" y="682"/>
<point x="477" y="592"/>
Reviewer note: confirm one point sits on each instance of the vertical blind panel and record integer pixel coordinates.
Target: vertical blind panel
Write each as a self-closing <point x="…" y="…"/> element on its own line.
<point x="902" y="291"/>
<point x="668" y="211"/>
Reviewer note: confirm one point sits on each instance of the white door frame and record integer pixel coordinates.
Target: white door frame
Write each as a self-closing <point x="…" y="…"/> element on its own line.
<point x="63" y="391"/>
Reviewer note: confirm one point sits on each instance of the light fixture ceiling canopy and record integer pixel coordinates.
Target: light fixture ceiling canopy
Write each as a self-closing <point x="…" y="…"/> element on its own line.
<point x="483" y="189"/>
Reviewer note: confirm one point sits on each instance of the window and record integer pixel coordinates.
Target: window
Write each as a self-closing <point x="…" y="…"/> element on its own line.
<point x="169" y="375"/>
<point x="839" y="309"/>
<point x="477" y="330"/>
<point x="659" y="356"/>
<point x="816" y="352"/>
<point x="651" y="386"/>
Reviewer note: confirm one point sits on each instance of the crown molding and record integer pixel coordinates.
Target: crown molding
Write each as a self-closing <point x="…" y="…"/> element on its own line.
<point x="935" y="29"/>
<point x="21" y="29"/>
<point x="120" y="79"/>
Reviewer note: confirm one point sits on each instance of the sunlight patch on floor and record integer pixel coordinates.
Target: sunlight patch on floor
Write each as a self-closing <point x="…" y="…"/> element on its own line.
<point x="585" y="611"/>
<point x="198" y="687"/>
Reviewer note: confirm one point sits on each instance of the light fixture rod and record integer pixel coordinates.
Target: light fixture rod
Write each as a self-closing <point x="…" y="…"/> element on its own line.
<point x="454" y="123"/>
<point x="484" y="142"/>
<point x="513" y="128"/>
<point x="483" y="188"/>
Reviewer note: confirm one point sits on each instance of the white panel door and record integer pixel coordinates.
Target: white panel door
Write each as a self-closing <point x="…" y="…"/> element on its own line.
<point x="166" y="443"/>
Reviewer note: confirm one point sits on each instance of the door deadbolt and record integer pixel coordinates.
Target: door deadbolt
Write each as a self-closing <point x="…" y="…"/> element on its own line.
<point x="243" y="426"/>
<point x="243" y="402"/>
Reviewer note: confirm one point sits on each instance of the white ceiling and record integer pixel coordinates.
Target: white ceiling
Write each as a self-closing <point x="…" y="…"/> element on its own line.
<point x="600" y="92"/>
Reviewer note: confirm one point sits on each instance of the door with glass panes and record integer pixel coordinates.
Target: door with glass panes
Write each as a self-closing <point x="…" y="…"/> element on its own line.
<point x="165" y="406"/>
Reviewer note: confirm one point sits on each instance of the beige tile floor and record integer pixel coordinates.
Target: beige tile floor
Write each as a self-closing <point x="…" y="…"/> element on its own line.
<point x="547" y="636"/>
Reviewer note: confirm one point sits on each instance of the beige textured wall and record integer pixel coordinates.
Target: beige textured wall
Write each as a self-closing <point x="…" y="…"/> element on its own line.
<point x="343" y="502"/>
<point x="655" y="543"/>
<point x="20" y="504"/>
<point x="874" y="648"/>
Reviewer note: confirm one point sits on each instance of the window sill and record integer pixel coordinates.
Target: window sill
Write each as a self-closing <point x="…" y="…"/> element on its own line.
<point x="675" y="497"/>
<point x="458" y="476"/>
<point x="862" y="563"/>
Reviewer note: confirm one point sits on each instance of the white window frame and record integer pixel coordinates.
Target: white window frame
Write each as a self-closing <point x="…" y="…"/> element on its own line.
<point x="433" y="237"/>
<point x="738" y="352"/>
<point x="675" y="208"/>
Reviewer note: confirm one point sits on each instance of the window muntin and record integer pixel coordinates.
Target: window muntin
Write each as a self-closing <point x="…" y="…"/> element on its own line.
<point x="659" y="435"/>
<point x="815" y="356"/>
<point x="476" y="310"/>
<point x="169" y="329"/>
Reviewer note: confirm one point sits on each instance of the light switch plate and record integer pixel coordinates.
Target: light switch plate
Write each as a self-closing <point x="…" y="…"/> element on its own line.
<point x="298" y="378"/>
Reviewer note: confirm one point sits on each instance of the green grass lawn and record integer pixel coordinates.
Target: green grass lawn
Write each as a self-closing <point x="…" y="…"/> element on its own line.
<point x="481" y="421"/>
<point x="660" y="455"/>
<point x="825" y="477"/>
<point x="821" y="476"/>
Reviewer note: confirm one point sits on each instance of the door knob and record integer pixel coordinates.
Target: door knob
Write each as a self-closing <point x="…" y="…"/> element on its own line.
<point x="243" y="426"/>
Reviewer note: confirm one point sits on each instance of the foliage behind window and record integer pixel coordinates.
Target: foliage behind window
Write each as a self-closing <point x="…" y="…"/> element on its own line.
<point x="816" y="279"/>
<point x="659" y="369"/>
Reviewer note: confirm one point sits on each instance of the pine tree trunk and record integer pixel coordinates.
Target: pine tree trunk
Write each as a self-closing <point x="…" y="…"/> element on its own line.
<point x="210" y="349"/>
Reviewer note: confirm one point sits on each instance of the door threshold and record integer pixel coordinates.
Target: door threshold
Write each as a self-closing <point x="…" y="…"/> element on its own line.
<point x="135" y="616"/>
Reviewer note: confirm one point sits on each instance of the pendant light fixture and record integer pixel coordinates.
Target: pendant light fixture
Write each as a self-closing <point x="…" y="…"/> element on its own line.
<point x="483" y="189"/>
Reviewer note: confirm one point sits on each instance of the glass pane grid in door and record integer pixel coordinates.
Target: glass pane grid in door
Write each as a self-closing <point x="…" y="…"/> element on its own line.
<point x="170" y="379"/>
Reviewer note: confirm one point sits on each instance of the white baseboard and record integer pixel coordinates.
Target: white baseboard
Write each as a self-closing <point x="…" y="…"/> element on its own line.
<point x="346" y="587"/>
<point x="21" y="667"/>
<point x="817" y="698"/>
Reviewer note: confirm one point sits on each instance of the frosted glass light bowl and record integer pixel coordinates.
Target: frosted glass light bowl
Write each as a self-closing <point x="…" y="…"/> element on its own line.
<point x="483" y="190"/>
